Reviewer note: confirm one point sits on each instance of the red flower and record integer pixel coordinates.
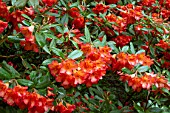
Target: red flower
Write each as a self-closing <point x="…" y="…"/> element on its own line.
<point x="163" y="45"/>
<point x="100" y="8"/>
<point x="29" y="43"/>
<point x="87" y="66"/>
<point x="4" y="13"/>
<point x="112" y="1"/>
<point x="3" y="88"/>
<point x="80" y="76"/>
<point x="148" y="2"/>
<point x="68" y="66"/>
<point x="3" y="26"/>
<point x="122" y="40"/>
<point x="28" y="33"/>
<point x="9" y="97"/>
<point x="16" y="18"/>
<point x="146" y="81"/>
<point x="65" y="109"/>
<point x="54" y="68"/>
<point x="78" y="23"/>
<point x="49" y="2"/>
<point x="111" y="18"/>
<point x="87" y="49"/>
<point x="74" y="12"/>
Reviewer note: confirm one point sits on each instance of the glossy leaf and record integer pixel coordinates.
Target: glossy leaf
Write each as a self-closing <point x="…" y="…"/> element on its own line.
<point x="75" y="54"/>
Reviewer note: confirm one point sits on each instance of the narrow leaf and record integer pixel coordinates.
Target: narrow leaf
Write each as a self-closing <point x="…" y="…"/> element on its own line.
<point x="58" y="52"/>
<point x="87" y="34"/>
<point x="25" y="82"/>
<point x="143" y="69"/>
<point x="75" y="54"/>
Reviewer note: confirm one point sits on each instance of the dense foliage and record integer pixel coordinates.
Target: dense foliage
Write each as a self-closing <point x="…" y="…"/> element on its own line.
<point x="85" y="56"/>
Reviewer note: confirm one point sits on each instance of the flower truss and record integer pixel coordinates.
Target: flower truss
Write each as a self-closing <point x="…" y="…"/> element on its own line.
<point x="88" y="71"/>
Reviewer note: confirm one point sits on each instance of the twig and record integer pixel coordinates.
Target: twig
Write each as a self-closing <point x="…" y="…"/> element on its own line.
<point x="11" y="56"/>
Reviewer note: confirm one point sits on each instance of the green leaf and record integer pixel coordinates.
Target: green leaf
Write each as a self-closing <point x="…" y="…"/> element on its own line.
<point x="50" y="36"/>
<point x="25" y="22"/>
<point x="48" y="61"/>
<point x="138" y="108"/>
<point x="26" y="64"/>
<point x="166" y="90"/>
<point x="152" y="50"/>
<point x="34" y="3"/>
<point x="147" y="29"/>
<point x="40" y="39"/>
<point x="33" y="75"/>
<point x="159" y="30"/>
<point x="27" y="17"/>
<point x="104" y="40"/>
<point x="59" y="29"/>
<point x="76" y="94"/>
<point x="87" y="34"/>
<point x="126" y="70"/>
<point x="141" y="51"/>
<point x="53" y="43"/>
<point x="58" y="52"/>
<point x="15" y="39"/>
<point x="75" y="44"/>
<point x="75" y="54"/>
<point x="100" y="89"/>
<point x="20" y="3"/>
<point x="126" y="88"/>
<point x="43" y="82"/>
<point x="112" y="46"/>
<point x="25" y="82"/>
<point x="45" y="48"/>
<point x="131" y="29"/>
<point x="38" y="19"/>
<point x="4" y="74"/>
<point x="13" y="2"/>
<point x="155" y="110"/>
<point x="143" y="69"/>
<point x="62" y="93"/>
<point x="125" y="48"/>
<point x="132" y="49"/>
<point x="13" y="73"/>
<point x="64" y="19"/>
<point x="96" y="91"/>
<point x="49" y="26"/>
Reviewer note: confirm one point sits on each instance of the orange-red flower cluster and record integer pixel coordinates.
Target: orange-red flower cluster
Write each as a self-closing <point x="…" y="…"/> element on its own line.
<point x="65" y="109"/>
<point x="130" y="60"/>
<point x="100" y="8"/>
<point x="112" y="1"/>
<point x="15" y="18"/>
<point x="122" y="40"/>
<point x="74" y="12"/>
<point x="29" y="42"/>
<point x="49" y="2"/>
<point x="148" y="2"/>
<point x="88" y="71"/>
<point x="145" y="82"/>
<point x="78" y="23"/>
<point x="23" y="99"/>
<point x="78" y="20"/>
<point x="4" y="13"/>
<point x="163" y="45"/>
<point x="34" y="102"/>
<point x="131" y="13"/>
<point x="3" y="26"/>
<point x="120" y="24"/>
<point x="165" y="3"/>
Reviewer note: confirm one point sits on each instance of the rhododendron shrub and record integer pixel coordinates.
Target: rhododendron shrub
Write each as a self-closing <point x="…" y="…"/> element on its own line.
<point x="84" y="56"/>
